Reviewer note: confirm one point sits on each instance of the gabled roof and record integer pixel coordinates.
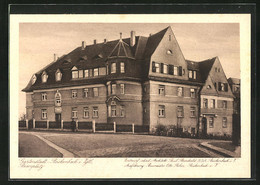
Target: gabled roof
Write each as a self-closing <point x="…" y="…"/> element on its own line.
<point x="206" y="66"/>
<point x="234" y="81"/>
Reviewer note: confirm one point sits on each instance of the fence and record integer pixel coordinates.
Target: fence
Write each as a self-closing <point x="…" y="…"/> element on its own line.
<point x="93" y="126"/>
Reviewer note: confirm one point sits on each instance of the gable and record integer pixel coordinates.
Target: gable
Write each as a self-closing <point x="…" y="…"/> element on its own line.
<point x="209" y="88"/>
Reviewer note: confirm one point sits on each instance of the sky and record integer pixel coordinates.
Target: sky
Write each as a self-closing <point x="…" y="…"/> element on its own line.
<point x="198" y="41"/>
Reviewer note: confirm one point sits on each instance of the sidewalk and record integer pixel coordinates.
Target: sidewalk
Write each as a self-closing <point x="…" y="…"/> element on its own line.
<point x="222" y="151"/>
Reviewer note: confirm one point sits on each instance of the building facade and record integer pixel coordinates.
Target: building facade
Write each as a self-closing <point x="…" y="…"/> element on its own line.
<point x="136" y="80"/>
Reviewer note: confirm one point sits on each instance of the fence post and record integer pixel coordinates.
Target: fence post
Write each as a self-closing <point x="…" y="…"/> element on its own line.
<point x="114" y="127"/>
<point x="133" y="128"/>
<point x="33" y="123"/>
<point x="94" y="126"/>
<point x="77" y="125"/>
<point x="48" y="124"/>
<point x="26" y="121"/>
<point x="61" y="126"/>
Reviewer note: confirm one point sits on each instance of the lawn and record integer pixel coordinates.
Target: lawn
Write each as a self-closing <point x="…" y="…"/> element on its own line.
<point x="32" y="146"/>
<point x="225" y="145"/>
<point x="124" y="145"/>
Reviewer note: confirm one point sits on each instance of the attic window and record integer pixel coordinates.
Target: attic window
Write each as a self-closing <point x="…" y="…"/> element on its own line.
<point x="169" y="52"/>
<point x="58" y="75"/>
<point x="84" y="57"/>
<point x="34" y="78"/>
<point x="44" y="77"/>
<point x="170" y="38"/>
<point x="75" y="72"/>
<point x="209" y="87"/>
<point x="67" y="61"/>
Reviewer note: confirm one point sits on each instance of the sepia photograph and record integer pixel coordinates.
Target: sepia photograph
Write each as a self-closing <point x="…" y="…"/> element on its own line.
<point x="111" y="92"/>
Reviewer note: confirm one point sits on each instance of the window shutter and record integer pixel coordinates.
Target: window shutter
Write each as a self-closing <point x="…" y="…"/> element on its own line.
<point x="226" y="86"/>
<point x="170" y="69"/>
<point x="161" y="67"/>
<point x="180" y="71"/>
<point x="219" y="86"/>
<point x="153" y="67"/>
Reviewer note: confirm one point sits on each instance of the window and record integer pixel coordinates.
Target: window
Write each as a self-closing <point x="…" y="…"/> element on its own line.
<point x="190" y="74"/>
<point x="108" y="89"/>
<point x="44" y="77"/>
<point x="192" y="112"/>
<point x="122" y="67"/>
<point x="113" y="67"/>
<point x="224" y="122"/>
<point x="224" y="104"/>
<point x="44" y="114"/>
<point x="180" y="91"/>
<point x="57" y="99"/>
<point x="86" y="73"/>
<point x="161" y="111"/>
<point x="74" y="112"/>
<point x="80" y="73"/>
<point x="44" y="96"/>
<point x="109" y="111"/>
<point x="155" y="67"/>
<point x="58" y="75"/>
<point x="194" y="75"/>
<point x="222" y="86"/>
<point x="216" y="69"/>
<point x="86" y="112"/>
<point x="161" y="90"/>
<point x="212" y="103"/>
<point x="113" y="89"/>
<point x="90" y="72"/>
<point x="102" y="71"/>
<point x="75" y="74"/>
<point x="209" y="87"/>
<point x="180" y="111"/>
<point x="165" y="68"/>
<point x="86" y="93"/>
<point x="175" y="70"/>
<point x="122" y="88"/>
<point x="95" y="112"/>
<point x="74" y="94"/>
<point x="113" y="110"/>
<point x="34" y="78"/>
<point x="96" y="72"/>
<point x="169" y="52"/>
<point x="170" y="37"/>
<point x="192" y="93"/>
<point x="211" y="122"/>
<point x="205" y="103"/>
<point x="95" y="90"/>
<point x="122" y="111"/>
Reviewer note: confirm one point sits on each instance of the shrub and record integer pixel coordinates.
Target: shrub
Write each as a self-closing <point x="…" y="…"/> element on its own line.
<point x="160" y="130"/>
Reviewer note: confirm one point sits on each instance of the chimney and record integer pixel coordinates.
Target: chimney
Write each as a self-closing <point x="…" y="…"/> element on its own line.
<point x="83" y="45"/>
<point x="120" y="36"/>
<point x="105" y="41"/>
<point x="54" y="57"/>
<point x="150" y="35"/>
<point x="132" y="39"/>
<point x="95" y="41"/>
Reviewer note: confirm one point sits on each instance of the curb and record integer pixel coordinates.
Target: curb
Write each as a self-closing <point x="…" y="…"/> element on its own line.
<point x="218" y="150"/>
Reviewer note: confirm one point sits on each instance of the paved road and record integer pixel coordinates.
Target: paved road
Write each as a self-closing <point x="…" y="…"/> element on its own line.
<point x="119" y="145"/>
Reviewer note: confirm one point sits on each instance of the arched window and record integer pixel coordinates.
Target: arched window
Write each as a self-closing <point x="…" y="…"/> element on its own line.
<point x="58" y="99"/>
<point x="58" y="75"/>
<point x="34" y="78"/>
<point x="44" y="77"/>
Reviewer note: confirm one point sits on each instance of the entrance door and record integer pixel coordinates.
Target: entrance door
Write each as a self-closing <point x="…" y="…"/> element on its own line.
<point x="58" y="120"/>
<point x="179" y="126"/>
<point x="204" y="126"/>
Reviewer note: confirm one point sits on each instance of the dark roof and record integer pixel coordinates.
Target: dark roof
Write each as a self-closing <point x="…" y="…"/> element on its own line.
<point x="192" y="65"/>
<point x="206" y="66"/>
<point x="234" y="81"/>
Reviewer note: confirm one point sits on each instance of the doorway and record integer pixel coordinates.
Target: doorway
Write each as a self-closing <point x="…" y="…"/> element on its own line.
<point x="58" y="120"/>
<point x="204" y="126"/>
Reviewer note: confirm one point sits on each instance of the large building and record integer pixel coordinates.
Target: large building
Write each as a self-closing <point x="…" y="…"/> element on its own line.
<point x="137" y="80"/>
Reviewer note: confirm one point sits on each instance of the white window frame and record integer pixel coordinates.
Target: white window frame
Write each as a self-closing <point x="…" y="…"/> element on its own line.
<point x="113" y="67"/>
<point x="122" y="88"/>
<point x="180" y="91"/>
<point x="190" y="74"/>
<point x="175" y="71"/>
<point x="165" y="69"/>
<point x="205" y="103"/>
<point x="75" y="74"/>
<point x="157" y="67"/>
<point x="86" y="73"/>
<point x="95" y="112"/>
<point x="109" y="110"/>
<point x="224" y="104"/>
<point x="86" y="112"/>
<point x="180" y="110"/>
<point x="113" y="110"/>
<point x="192" y="93"/>
<point x="57" y="99"/>
<point x="74" y="93"/>
<point x="44" y="114"/>
<point x="44" y="77"/>
<point x="95" y="91"/>
<point x="86" y="92"/>
<point x="192" y="111"/>
<point x="161" y="90"/>
<point x="74" y="112"/>
<point x="96" y="72"/>
<point x="44" y="96"/>
<point x="212" y="103"/>
<point x="161" y="111"/>
<point x="122" y="67"/>
<point x="81" y="73"/>
<point x="58" y="76"/>
<point x="194" y="75"/>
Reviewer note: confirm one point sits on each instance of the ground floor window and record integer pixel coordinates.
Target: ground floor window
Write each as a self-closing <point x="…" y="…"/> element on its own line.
<point x="211" y="122"/>
<point x="44" y="114"/>
<point x="74" y="112"/>
<point x="95" y="112"/>
<point x="180" y="112"/>
<point x="192" y="112"/>
<point x="161" y="111"/>
<point x="113" y="110"/>
<point x="122" y="111"/>
<point x="86" y="112"/>
<point x="224" y="122"/>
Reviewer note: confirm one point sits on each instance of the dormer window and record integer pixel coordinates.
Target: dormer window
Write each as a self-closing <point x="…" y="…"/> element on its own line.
<point x="34" y="78"/>
<point x="58" y="75"/>
<point x="75" y="72"/>
<point x="169" y="52"/>
<point x="44" y="77"/>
